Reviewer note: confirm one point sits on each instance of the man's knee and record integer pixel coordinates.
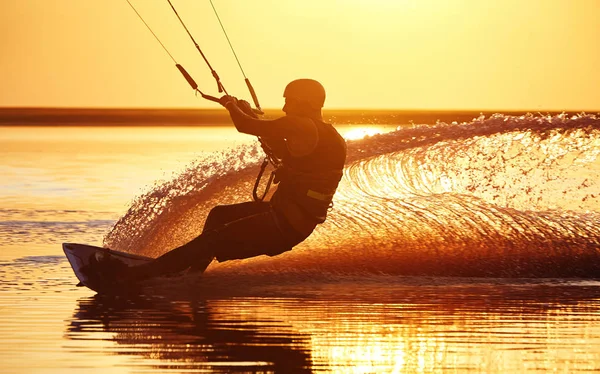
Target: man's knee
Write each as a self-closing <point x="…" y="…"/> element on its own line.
<point x="216" y="217"/>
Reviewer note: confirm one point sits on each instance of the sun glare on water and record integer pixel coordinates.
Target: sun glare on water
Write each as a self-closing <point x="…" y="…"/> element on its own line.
<point x="355" y="133"/>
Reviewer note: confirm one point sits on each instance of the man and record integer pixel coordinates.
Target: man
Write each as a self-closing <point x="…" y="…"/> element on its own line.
<point x="312" y="155"/>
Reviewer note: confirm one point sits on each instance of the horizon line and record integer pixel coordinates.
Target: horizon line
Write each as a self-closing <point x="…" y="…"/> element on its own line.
<point x="487" y="110"/>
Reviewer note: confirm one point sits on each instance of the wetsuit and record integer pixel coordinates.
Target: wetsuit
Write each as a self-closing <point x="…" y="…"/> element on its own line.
<point x="312" y="154"/>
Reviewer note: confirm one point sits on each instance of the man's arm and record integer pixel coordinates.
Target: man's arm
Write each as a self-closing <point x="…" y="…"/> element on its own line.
<point x="300" y="134"/>
<point x="254" y="126"/>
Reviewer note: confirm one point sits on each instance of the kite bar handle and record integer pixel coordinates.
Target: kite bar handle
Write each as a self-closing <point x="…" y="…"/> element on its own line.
<point x="253" y="94"/>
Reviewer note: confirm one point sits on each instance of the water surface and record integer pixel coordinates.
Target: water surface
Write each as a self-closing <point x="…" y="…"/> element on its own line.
<point x="368" y="293"/>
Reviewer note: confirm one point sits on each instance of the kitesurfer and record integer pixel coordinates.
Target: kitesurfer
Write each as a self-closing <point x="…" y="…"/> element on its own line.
<point x="311" y="155"/>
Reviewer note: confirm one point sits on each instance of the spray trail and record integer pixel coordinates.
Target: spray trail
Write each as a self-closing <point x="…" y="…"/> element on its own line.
<point x="502" y="196"/>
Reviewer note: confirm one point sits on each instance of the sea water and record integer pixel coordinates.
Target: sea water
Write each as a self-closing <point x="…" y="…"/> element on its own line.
<point x="451" y="247"/>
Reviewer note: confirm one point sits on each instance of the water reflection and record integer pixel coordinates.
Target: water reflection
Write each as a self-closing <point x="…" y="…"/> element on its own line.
<point x="191" y="334"/>
<point x="381" y="325"/>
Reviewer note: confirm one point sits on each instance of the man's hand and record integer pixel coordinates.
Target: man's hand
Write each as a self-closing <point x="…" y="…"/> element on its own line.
<point x="246" y="108"/>
<point x="226" y="100"/>
<point x="243" y="105"/>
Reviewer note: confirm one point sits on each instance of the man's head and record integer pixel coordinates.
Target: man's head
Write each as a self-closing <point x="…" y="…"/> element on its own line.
<point x="304" y="97"/>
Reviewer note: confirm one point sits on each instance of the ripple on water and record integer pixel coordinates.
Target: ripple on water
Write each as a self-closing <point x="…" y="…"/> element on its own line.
<point x="249" y="323"/>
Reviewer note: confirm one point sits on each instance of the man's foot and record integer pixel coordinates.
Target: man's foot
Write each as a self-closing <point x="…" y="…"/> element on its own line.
<point x="105" y="271"/>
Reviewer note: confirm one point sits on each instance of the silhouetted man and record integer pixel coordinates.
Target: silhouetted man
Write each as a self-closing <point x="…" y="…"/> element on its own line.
<point x="312" y="155"/>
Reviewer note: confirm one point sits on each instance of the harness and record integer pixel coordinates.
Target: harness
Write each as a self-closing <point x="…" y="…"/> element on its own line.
<point x="283" y="172"/>
<point x="269" y="158"/>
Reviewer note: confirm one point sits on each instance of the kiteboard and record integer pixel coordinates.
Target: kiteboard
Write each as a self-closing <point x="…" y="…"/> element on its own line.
<point x="82" y="256"/>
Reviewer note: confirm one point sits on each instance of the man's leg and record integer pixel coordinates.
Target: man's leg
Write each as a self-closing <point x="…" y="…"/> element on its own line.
<point x="222" y="214"/>
<point x="263" y="233"/>
<point x="255" y="234"/>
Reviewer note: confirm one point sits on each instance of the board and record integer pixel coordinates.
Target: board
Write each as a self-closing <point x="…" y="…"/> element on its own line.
<point x="81" y="255"/>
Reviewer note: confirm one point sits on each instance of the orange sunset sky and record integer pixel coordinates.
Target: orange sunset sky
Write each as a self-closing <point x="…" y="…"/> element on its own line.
<point x="401" y="54"/>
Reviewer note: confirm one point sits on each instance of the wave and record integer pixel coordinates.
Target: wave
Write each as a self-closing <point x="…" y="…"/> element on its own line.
<point x="508" y="196"/>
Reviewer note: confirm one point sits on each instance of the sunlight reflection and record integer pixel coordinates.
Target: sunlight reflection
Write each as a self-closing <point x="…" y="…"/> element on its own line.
<point x="354" y="133"/>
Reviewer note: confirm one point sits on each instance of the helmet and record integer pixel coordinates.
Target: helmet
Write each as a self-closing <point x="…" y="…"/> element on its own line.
<point x="308" y="91"/>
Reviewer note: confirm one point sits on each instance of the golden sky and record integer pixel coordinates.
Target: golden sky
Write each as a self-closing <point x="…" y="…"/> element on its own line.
<point x="401" y="54"/>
